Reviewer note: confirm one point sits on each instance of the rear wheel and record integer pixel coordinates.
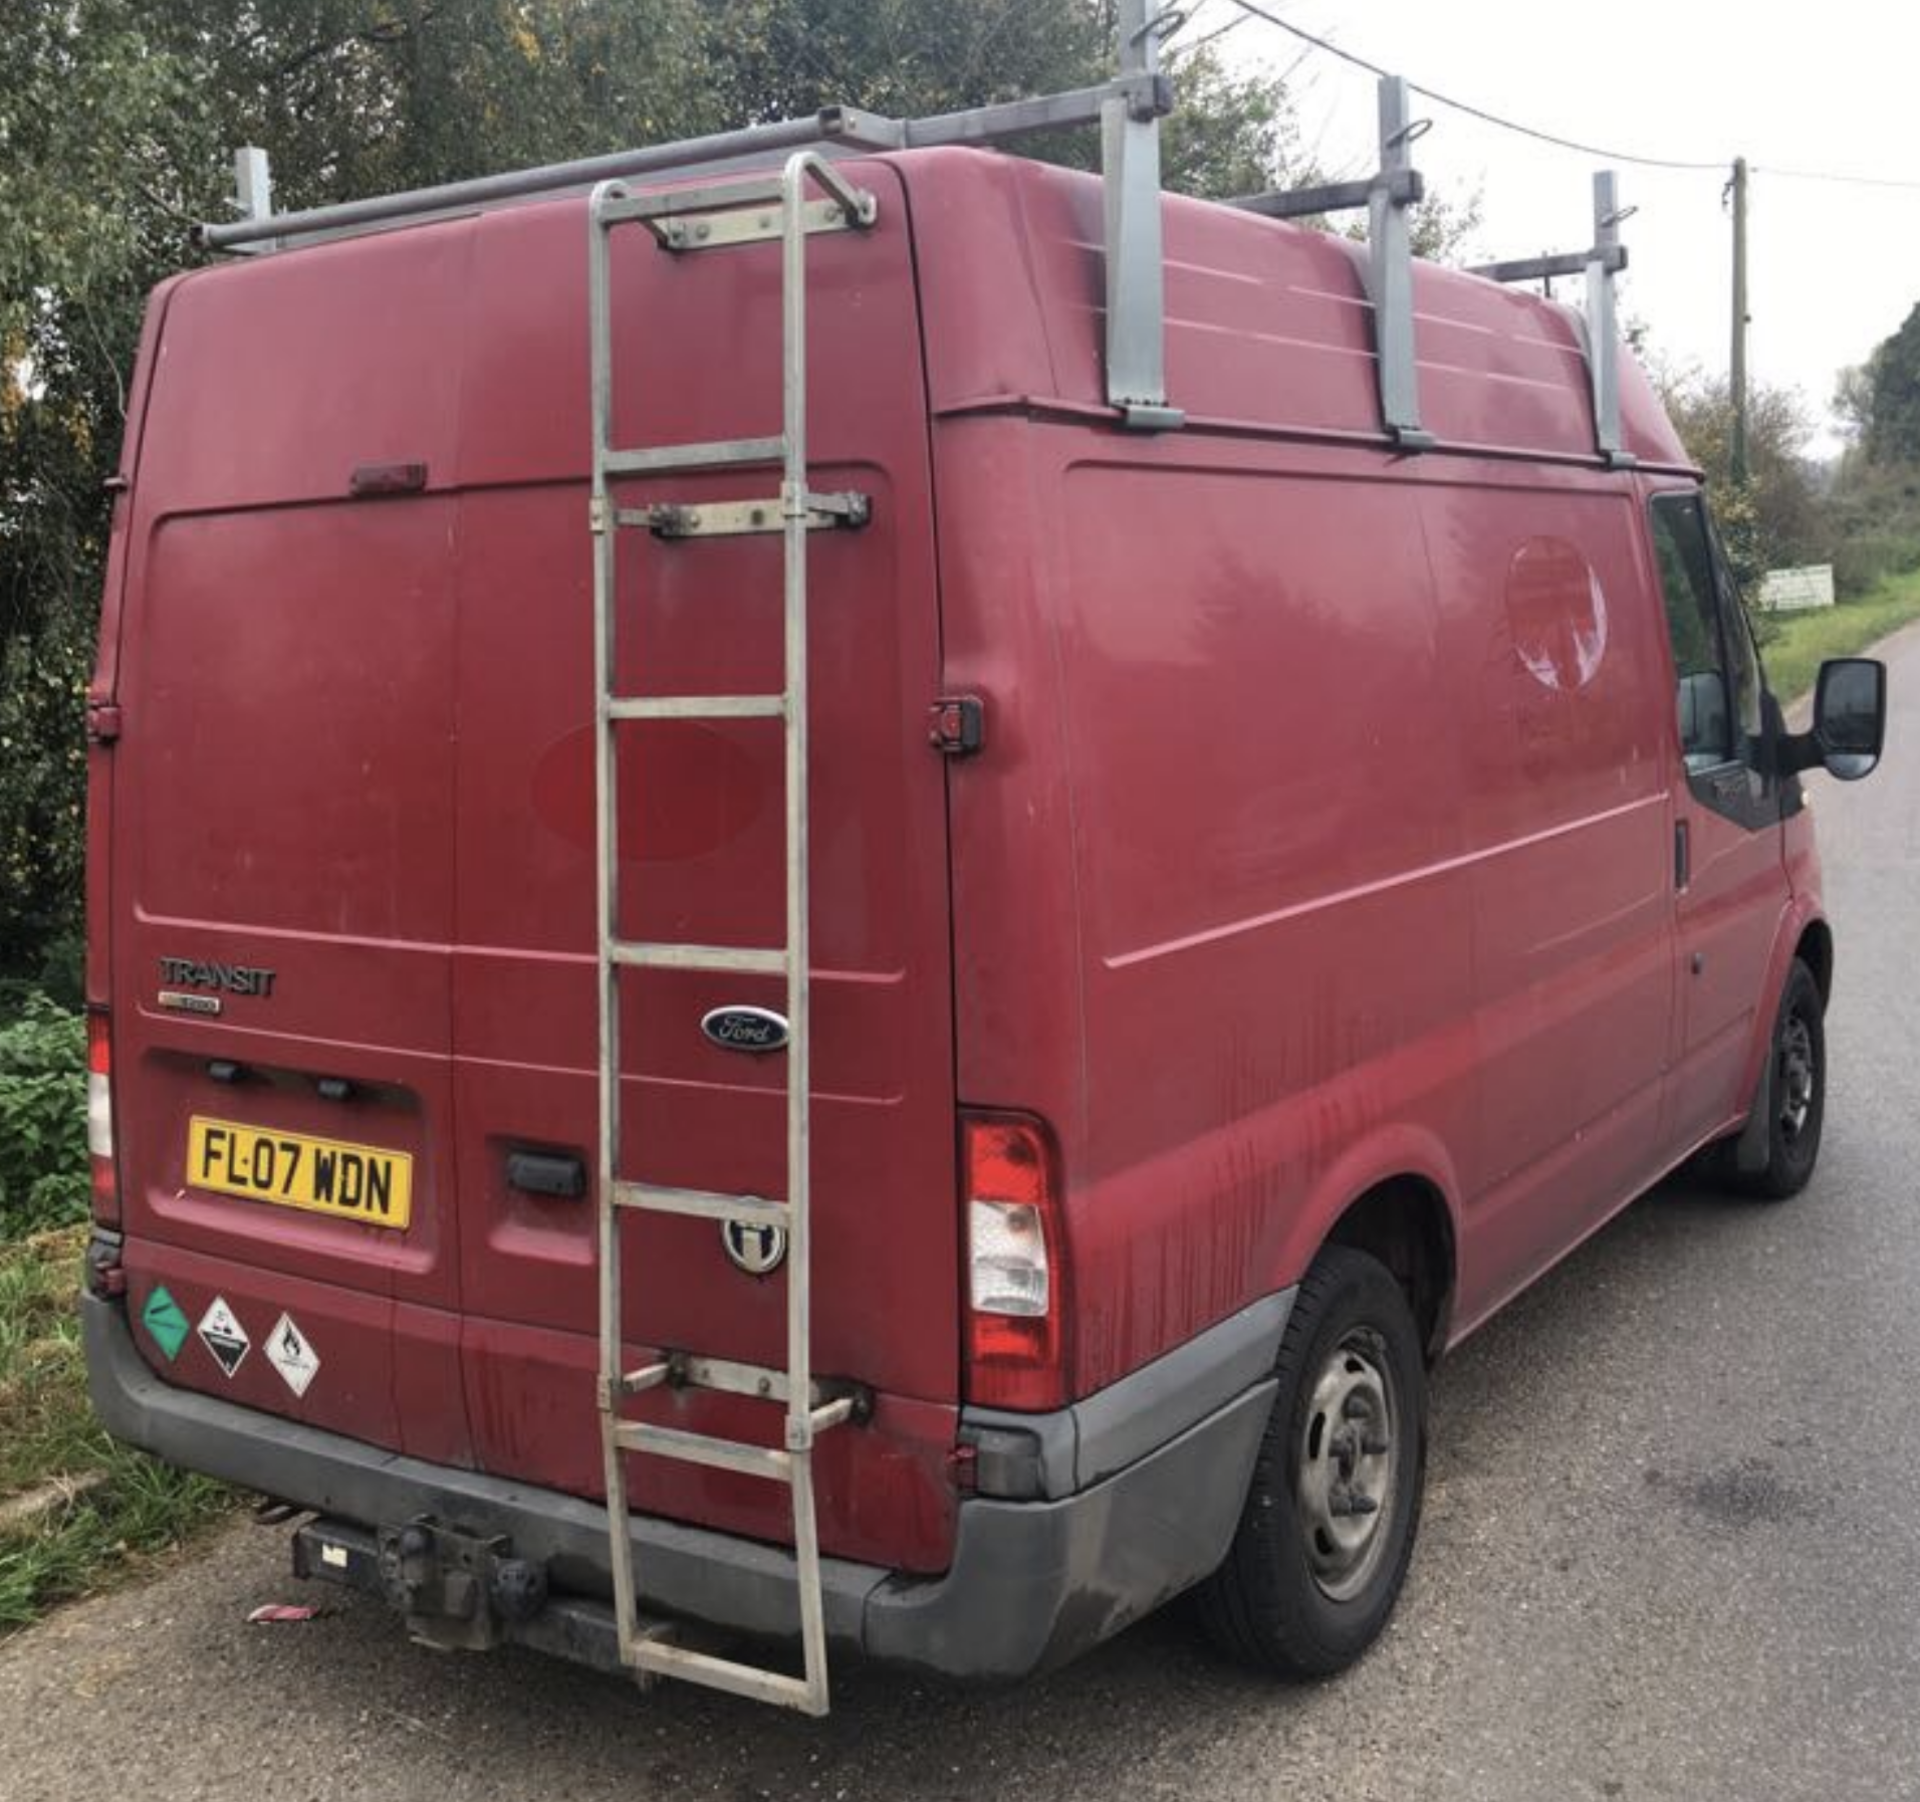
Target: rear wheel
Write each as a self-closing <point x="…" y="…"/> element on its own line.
<point x="1796" y="1098"/>
<point x="1328" y="1528"/>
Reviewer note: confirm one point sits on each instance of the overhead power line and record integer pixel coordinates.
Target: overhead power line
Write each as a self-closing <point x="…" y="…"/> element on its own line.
<point x="1254" y="10"/>
<point x="1853" y="181"/>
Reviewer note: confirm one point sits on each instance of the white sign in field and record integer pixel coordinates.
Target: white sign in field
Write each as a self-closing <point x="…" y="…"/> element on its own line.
<point x="1793" y="590"/>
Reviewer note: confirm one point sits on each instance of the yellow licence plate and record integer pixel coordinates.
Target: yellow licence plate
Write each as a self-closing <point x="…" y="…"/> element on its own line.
<point x="324" y="1176"/>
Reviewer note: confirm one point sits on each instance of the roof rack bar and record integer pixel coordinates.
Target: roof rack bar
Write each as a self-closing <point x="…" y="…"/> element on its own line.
<point x="1334" y="197"/>
<point x="846" y="126"/>
<point x="1136" y="275"/>
<point x="835" y="124"/>
<point x="1535" y="269"/>
<point x="1128" y="108"/>
<point x="1600" y="322"/>
<point x="1386" y="194"/>
<point x="1047" y="112"/>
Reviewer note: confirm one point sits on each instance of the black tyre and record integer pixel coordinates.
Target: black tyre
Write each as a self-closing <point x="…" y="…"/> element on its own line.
<point x="1797" y="1098"/>
<point x="1328" y="1528"/>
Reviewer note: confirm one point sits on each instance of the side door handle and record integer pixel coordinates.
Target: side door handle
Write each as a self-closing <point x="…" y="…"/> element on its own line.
<point x="1682" y="853"/>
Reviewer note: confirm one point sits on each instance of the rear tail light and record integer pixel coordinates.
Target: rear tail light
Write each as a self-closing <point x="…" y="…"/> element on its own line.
<point x="1016" y="1266"/>
<point x="106" y="1178"/>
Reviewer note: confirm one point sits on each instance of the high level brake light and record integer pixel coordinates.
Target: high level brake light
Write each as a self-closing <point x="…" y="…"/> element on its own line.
<point x="1016" y="1269"/>
<point x="106" y="1178"/>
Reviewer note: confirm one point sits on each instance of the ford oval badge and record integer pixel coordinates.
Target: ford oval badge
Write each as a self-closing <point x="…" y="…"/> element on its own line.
<point x="746" y="1029"/>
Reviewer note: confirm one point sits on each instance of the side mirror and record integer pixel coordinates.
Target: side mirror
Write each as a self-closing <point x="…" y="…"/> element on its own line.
<point x="1849" y="716"/>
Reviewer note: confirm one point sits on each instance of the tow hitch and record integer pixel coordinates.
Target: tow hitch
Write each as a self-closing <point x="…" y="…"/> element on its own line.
<point x="459" y="1591"/>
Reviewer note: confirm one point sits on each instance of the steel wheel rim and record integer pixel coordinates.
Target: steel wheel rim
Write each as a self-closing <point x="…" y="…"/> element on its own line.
<point x="1797" y="1072"/>
<point x="1347" y="1471"/>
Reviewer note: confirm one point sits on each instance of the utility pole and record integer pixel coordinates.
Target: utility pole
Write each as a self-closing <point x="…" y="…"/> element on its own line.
<point x="1737" y="361"/>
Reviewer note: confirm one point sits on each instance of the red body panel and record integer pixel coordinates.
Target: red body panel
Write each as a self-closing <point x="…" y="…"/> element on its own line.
<point x="1323" y="834"/>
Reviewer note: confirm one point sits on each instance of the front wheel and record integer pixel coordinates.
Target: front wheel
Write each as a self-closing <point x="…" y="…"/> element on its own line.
<point x="1327" y="1532"/>
<point x="1796" y="1095"/>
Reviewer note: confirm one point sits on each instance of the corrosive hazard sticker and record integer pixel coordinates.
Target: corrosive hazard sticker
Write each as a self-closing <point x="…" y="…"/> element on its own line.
<point x="223" y="1335"/>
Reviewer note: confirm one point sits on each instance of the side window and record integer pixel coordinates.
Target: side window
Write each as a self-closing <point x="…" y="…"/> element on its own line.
<point x="1705" y="701"/>
<point x="1743" y="658"/>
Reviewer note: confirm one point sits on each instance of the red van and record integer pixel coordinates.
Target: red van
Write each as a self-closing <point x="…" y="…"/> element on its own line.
<point x="914" y="1030"/>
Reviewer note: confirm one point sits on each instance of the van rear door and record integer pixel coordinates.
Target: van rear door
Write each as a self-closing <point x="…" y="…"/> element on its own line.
<point x="355" y="815"/>
<point x="281" y="871"/>
<point x="697" y="358"/>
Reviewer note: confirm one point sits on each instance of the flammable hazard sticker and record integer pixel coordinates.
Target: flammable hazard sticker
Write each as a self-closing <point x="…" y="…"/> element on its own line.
<point x="291" y="1353"/>
<point x="222" y="1334"/>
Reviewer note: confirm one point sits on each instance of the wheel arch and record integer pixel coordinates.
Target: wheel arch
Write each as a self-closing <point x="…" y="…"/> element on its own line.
<point x="1814" y="948"/>
<point x="1406" y="1223"/>
<point x="1803" y="933"/>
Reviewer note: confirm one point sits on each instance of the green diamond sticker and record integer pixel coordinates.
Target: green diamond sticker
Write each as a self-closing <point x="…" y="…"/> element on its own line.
<point x="165" y="1322"/>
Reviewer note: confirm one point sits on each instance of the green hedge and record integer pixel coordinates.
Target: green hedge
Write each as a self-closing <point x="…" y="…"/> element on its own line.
<point x="43" y="1114"/>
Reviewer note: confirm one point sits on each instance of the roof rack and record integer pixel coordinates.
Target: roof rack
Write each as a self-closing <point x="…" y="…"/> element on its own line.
<point x="1128" y="110"/>
<point x="1387" y="195"/>
<point x="1598" y="264"/>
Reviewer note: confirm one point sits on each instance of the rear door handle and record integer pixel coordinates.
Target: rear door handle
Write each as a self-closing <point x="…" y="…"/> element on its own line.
<point x="547" y="1173"/>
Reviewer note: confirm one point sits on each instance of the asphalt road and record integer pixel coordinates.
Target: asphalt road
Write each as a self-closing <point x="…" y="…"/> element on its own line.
<point x="1671" y="1549"/>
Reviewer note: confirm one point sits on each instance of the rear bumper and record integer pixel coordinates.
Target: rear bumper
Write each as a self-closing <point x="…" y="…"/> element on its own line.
<point x="1032" y="1583"/>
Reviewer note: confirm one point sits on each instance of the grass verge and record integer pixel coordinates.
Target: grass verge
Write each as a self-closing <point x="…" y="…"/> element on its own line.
<point x="75" y="1508"/>
<point x="1801" y="640"/>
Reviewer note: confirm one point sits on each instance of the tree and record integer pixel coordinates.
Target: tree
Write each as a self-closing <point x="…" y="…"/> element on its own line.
<point x="1875" y="505"/>
<point x="97" y="125"/>
<point x="117" y="121"/>
<point x="1774" y="518"/>
<point x="1893" y="397"/>
<point x="1852" y="402"/>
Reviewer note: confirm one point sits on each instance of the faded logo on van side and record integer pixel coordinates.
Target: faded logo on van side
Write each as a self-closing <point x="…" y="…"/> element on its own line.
<point x="1558" y="614"/>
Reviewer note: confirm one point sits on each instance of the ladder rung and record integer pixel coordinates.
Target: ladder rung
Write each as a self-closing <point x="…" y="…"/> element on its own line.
<point x="703" y="1448"/>
<point x="657" y="1658"/>
<point x="703" y="1204"/>
<point x="719" y="454"/>
<point x="673" y="521"/>
<point x="727" y="1376"/>
<point x="696" y="707"/>
<point x="746" y="959"/>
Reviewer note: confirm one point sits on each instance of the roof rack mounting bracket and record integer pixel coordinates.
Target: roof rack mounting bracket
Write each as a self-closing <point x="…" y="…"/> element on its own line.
<point x="1136" y="273"/>
<point x="253" y="190"/>
<point x="1387" y="195"/>
<point x="1599" y="324"/>
<point x="1394" y="190"/>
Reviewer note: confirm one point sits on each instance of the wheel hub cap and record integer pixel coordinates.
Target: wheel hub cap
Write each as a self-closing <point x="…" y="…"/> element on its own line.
<point x="1796" y="1076"/>
<point x="1346" y="1482"/>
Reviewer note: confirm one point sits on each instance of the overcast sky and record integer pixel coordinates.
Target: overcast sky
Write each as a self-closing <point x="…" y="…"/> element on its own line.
<point x="1833" y="268"/>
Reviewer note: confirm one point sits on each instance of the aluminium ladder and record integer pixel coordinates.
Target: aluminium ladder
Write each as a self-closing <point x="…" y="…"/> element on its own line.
<point x="729" y="212"/>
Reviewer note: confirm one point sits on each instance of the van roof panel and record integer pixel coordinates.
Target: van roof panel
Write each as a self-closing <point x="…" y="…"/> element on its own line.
<point x="1267" y="322"/>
